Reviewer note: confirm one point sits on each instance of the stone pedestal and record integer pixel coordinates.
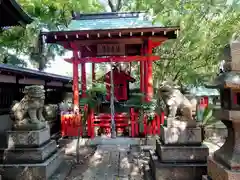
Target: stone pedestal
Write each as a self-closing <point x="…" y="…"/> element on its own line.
<point x="30" y="155"/>
<point x="177" y="136"/>
<point x="179" y="155"/>
<point x="225" y="163"/>
<point x="219" y="172"/>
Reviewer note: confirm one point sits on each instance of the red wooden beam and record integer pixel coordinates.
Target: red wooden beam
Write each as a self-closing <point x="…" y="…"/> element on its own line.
<point x="114" y="59"/>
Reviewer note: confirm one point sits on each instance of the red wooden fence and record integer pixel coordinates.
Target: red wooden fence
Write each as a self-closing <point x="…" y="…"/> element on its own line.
<point x="104" y="121"/>
<point x="71" y="123"/>
<point x="151" y="127"/>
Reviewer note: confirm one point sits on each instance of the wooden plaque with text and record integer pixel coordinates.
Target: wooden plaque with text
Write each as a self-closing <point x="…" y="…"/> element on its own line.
<point x="111" y="49"/>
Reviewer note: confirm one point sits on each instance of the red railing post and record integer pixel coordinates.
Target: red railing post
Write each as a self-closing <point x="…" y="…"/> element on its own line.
<point x="63" y="125"/>
<point x="92" y="119"/>
<point x="68" y="125"/>
<point x="132" y="122"/>
<point x="162" y="117"/>
<point x="136" y="116"/>
<point x="80" y="120"/>
<point x="158" y="121"/>
<point x="145" y="124"/>
<point x="154" y="125"/>
<point x="89" y="123"/>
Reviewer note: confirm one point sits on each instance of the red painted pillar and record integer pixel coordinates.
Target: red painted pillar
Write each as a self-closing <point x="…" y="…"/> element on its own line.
<point x="84" y="80"/>
<point x="145" y="78"/>
<point x="148" y="76"/>
<point x="75" y="80"/>
<point x="142" y="90"/>
<point x="142" y="76"/>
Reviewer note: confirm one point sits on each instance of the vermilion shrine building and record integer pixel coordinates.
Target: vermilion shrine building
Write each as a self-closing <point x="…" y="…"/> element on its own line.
<point x="111" y="37"/>
<point x="121" y="84"/>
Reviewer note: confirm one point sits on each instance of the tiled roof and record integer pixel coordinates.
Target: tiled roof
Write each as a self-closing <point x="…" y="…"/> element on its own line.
<point x="202" y="91"/>
<point x="30" y="72"/>
<point x="11" y="14"/>
<point x="105" y="21"/>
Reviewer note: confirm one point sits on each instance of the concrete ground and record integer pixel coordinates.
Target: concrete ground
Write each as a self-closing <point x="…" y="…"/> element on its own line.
<point x="112" y="161"/>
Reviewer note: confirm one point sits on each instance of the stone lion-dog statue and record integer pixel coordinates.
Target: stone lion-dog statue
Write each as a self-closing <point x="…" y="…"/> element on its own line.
<point x="27" y="114"/>
<point x="176" y="102"/>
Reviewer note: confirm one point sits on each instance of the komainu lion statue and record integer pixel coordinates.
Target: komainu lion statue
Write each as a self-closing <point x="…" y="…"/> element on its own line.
<point x="176" y="102"/>
<point x="27" y="114"/>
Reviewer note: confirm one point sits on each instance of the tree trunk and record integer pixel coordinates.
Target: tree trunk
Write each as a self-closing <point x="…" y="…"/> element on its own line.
<point x="117" y="7"/>
<point x="41" y="64"/>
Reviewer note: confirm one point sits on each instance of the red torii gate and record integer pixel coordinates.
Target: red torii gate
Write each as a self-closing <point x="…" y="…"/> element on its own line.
<point x="131" y="40"/>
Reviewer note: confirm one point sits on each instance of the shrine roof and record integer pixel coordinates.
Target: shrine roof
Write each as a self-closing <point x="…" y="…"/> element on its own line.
<point x="33" y="73"/>
<point x="111" y="21"/>
<point x="11" y="14"/>
<point x="103" y="25"/>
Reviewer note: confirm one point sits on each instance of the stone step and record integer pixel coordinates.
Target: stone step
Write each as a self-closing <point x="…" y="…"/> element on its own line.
<point x="30" y="155"/>
<point x="176" y="171"/>
<point x="102" y="141"/>
<point x="62" y="172"/>
<point x="38" y="171"/>
<point x="175" y="154"/>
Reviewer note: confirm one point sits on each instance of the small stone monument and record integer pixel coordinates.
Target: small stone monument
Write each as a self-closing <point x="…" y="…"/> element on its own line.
<point x="31" y="154"/>
<point x="225" y="163"/>
<point x="179" y="153"/>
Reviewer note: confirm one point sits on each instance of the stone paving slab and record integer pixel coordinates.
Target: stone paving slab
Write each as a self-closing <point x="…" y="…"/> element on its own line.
<point x="111" y="162"/>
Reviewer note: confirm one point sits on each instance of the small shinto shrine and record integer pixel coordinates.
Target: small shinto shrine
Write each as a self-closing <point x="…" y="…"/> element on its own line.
<point x="110" y="37"/>
<point x="121" y="84"/>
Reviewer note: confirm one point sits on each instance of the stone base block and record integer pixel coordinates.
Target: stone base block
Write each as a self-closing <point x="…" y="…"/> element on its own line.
<point x="28" y="138"/>
<point x="182" y="153"/>
<point x="176" y="171"/>
<point x="63" y="170"/>
<point x="178" y="136"/>
<point x="41" y="171"/>
<point x="30" y="155"/>
<point x="218" y="172"/>
<point x="228" y="115"/>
